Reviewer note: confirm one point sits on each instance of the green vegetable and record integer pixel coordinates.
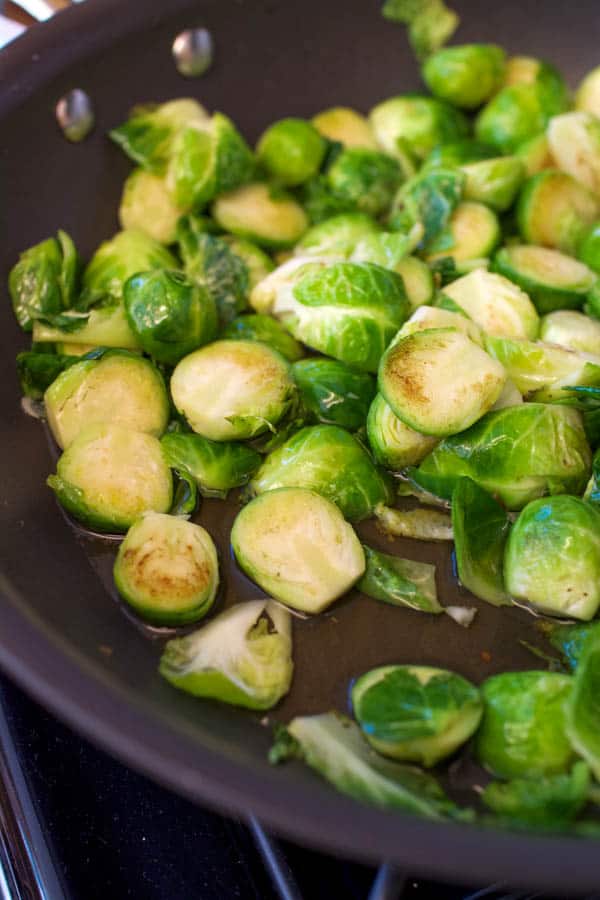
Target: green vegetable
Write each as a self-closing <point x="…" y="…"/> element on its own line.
<point x="393" y="443"/>
<point x="570" y="640"/>
<point x="345" y="126"/>
<point x="588" y="249"/>
<point x="387" y="249"/>
<point x="417" y="279"/>
<point x="337" y="236"/>
<point x="523" y="728"/>
<point x="291" y="151"/>
<point x="535" y="154"/>
<point x="106" y="326"/>
<point x="328" y="460"/>
<point x="552" y="557"/>
<point x="298" y="548"/>
<point x="587" y="97"/>
<point x="108" y="476"/>
<point x="552" y="279"/>
<point x="146" y="205"/>
<point x="37" y="370"/>
<point x="428" y="199"/>
<point x="364" y="180"/>
<point x="415" y="123"/>
<point x="552" y="801"/>
<point x="516" y="454"/>
<point x="427" y="317"/>
<point x="554" y="210"/>
<point x="333" y="393"/>
<point x="233" y="390"/>
<point x="258" y="263"/>
<point x="572" y="330"/>
<point x="216" y="467"/>
<point x="44" y="281"/>
<point x="472" y="233"/>
<point x="399" y="582"/>
<point x="574" y="141"/>
<point x="497" y="305"/>
<point x="261" y="214"/>
<point x="430" y="22"/>
<point x="416" y="713"/>
<point x="420" y="524"/>
<point x="169" y="315"/>
<point x="242" y="657"/>
<point x="582" y="705"/>
<point x="465" y="76"/>
<point x="266" y="330"/>
<point x="148" y="135"/>
<point x="167" y="570"/>
<point x="544" y="369"/>
<point x="494" y="182"/>
<point x="481" y="528"/>
<point x="115" y="388"/>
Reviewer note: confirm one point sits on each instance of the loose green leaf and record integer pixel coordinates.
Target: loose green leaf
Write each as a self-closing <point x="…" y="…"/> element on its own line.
<point x="211" y="263"/>
<point x="430" y="23"/>
<point x="399" y="582"/>
<point x="570" y="640"/>
<point x="215" y="466"/>
<point x="549" y="802"/>
<point x="420" y="524"/>
<point x="37" y="371"/>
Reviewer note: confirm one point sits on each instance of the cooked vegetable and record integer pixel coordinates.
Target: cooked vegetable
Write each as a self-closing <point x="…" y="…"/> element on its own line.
<point x="147" y="205"/>
<point x="106" y="326"/>
<point x="428" y="200"/>
<point x="570" y="640"/>
<point x="393" y="443"/>
<point x="336" y="236"/>
<point x="427" y="317"/>
<point x="574" y="140"/>
<point x="552" y="801"/>
<point x="543" y="368"/>
<point x="297" y="546"/>
<point x="495" y="181"/>
<point x="420" y="524"/>
<point x="523" y="728"/>
<point x="388" y="248"/>
<point x="114" y="388"/>
<point x="554" y="210"/>
<point x="328" y="460"/>
<point x="266" y="330"/>
<point x="215" y="466"/>
<point x="400" y="582"/>
<point x="417" y="279"/>
<point x="552" y="279"/>
<point x="516" y="454"/>
<point x="365" y="180"/>
<point x="44" y="281"/>
<point x="211" y="264"/>
<point x="333" y="393"/>
<point x="535" y="154"/>
<point x="346" y="126"/>
<point x="465" y="76"/>
<point x="242" y="657"/>
<point x="582" y="705"/>
<point x="497" y="305"/>
<point x="109" y="475"/>
<point x="416" y="713"/>
<point x="258" y="263"/>
<point x="438" y="381"/>
<point x="473" y="231"/>
<point x="481" y="528"/>
<point x="262" y="214"/>
<point x="116" y="260"/>
<point x="233" y="390"/>
<point x="148" y="135"/>
<point x="510" y="396"/>
<point x="587" y="97"/>
<point x="167" y="570"/>
<point x="37" y="370"/>
<point x="571" y="329"/>
<point x="430" y="23"/>
<point x="291" y="151"/>
<point x="415" y="124"/>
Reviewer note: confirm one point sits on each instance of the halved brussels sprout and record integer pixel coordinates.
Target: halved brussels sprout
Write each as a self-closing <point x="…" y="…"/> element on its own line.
<point x="574" y="140"/>
<point x="168" y="314"/>
<point x="465" y="76"/>
<point x="115" y="388"/>
<point x="264" y="329"/>
<point x="549" y="802"/>
<point x="44" y="280"/>
<point x="553" y="280"/>
<point x="257" y="262"/>
<point x="333" y="393"/>
<point x="438" y="381"/>
<point x="215" y="466"/>
<point x="337" y="236"/>
<point x="233" y="390"/>
<point x="535" y="154"/>
<point x="510" y="396"/>
<point x="416" y="713"/>
<point x="106" y="326"/>
<point x="497" y="305"/>
<point x="393" y="443"/>
<point x="365" y="180"/>
<point x="147" y="136"/>
<point x="263" y="214"/>
<point x="523" y="726"/>
<point x="346" y="126"/>
<point x="291" y="150"/>
<point x="210" y="263"/>
<point x="494" y="182"/>
<point x="538" y="367"/>
<point x="582" y="705"/>
<point x="517" y="454"/>
<point x="109" y="475"/>
<point x="277" y="285"/>
<point x="167" y="570"/>
<point x="242" y="657"/>
<point x="427" y="317"/>
<point x="587" y="97"/>
<point x="328" y="460"/>
<point x="472" y="232"/>
<point x="554" y="210"/>
<point x="146" y="205"/>
<point x="418" y="281"/>
<point x="399" y="582"/>
<point x="415" y="123"/>
<point x="552" y="557"/>
<point x="571" y="329"/>
<point x="298" y="547"/>
<point x="419" y="524"/>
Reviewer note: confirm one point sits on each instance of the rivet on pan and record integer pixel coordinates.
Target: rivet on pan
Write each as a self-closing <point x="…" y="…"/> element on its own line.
<point x="193" y="52"/>
<point x="75" y="115"/>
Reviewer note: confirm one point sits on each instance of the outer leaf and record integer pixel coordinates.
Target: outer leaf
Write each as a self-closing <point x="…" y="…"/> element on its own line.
<point x="549" y="802"/>
<point x="333" y="393"/>
<point x="583" y="706"/>
<point x="400" y="582"/>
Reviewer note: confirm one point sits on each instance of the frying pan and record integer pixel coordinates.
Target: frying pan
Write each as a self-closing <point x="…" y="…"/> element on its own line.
<point x="63" y="635"/>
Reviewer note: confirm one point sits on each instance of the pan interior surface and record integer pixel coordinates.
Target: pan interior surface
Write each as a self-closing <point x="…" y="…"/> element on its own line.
<point x="64" y="634"/>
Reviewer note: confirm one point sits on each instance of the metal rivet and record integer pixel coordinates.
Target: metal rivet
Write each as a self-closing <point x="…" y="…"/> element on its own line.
<point x="75" y="115"/>
<point x="193" y="52"/>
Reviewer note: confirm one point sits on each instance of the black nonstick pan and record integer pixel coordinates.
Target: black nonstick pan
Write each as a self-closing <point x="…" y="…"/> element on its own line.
<point x="63" y="635"/>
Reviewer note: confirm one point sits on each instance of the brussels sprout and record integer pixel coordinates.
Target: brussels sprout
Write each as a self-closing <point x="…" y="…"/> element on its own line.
<point x="109" y="475"/>
<point x="456" y="154"/>
<point x="262" y="214"/>
<point x="328" y="460"/>
<point x="168" y="314"/>
<point x="345" y="126"/>
<point x="242" y="657"/>
<point x="429" y="199"/>
<point x="518" y="112"/>
<point x="472" y="232"/>
<point x="510" y="396"/>
<point x="427" y="317"/>
<point x="588" y="249"/>
<point x="297" y="546"/>
<point x="115" y="388"/>
<point x="233" y="390"/>
<point x="494" y="182"/>
<point x="216" y="467"/>
<point x="523" y="728"/>
<point x="552" y="279"/>
<point x="497" y="305"/>
<point x="587" y="97"/>
<point x="337" y="236"/>
<point x="346" y="310"/>
<point x="167" y="570"/>
<point x="438" y="381"/>
<point x="416" y="713"/>
<point x="44" y="280"/>
<point x="574" y="140"/>
<point x="415" y="123"/>
<point x="552" y="557"/>
<point x="400" y="582"/>
<point x="573" y="330"/>
<point x="388" y="248"/>
<point x="535" y="154"/>
<point x="554" y="210"/>
<point x="37" y="370"/>
<point x="276" y="288"/>
<point x="393" y="443"/>
<point x="529" y="70"/>
<point x="147" y="205"/>
<point x="417" y="278"/>
<point x="550" y="802"/>
<point x="333" y="393"/>
<point x="106" y="326"/>
<point x="291" y="151"/>
<point x="480" y="526"/>
<point x="147" y="136"/>
<point x="257" y="262"/>
<point x="333" y="745"/>
<point x="211" y="264"/>
<point x="570" y="640"/>
<point x="465" y="76"/>
<point x="266" y="330"/>
<point x="73" y="349"/>
<point x="582" y="705"/>
<point x="536" y="366"/>
<point x="365" y="180"/>
<point x="116" y="260"/>
<point x="517" y="454"/>
<point x="430" y="23"/>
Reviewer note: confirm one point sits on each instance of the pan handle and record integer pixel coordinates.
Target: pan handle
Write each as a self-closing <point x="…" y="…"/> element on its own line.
<point x="41" y="10"/>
